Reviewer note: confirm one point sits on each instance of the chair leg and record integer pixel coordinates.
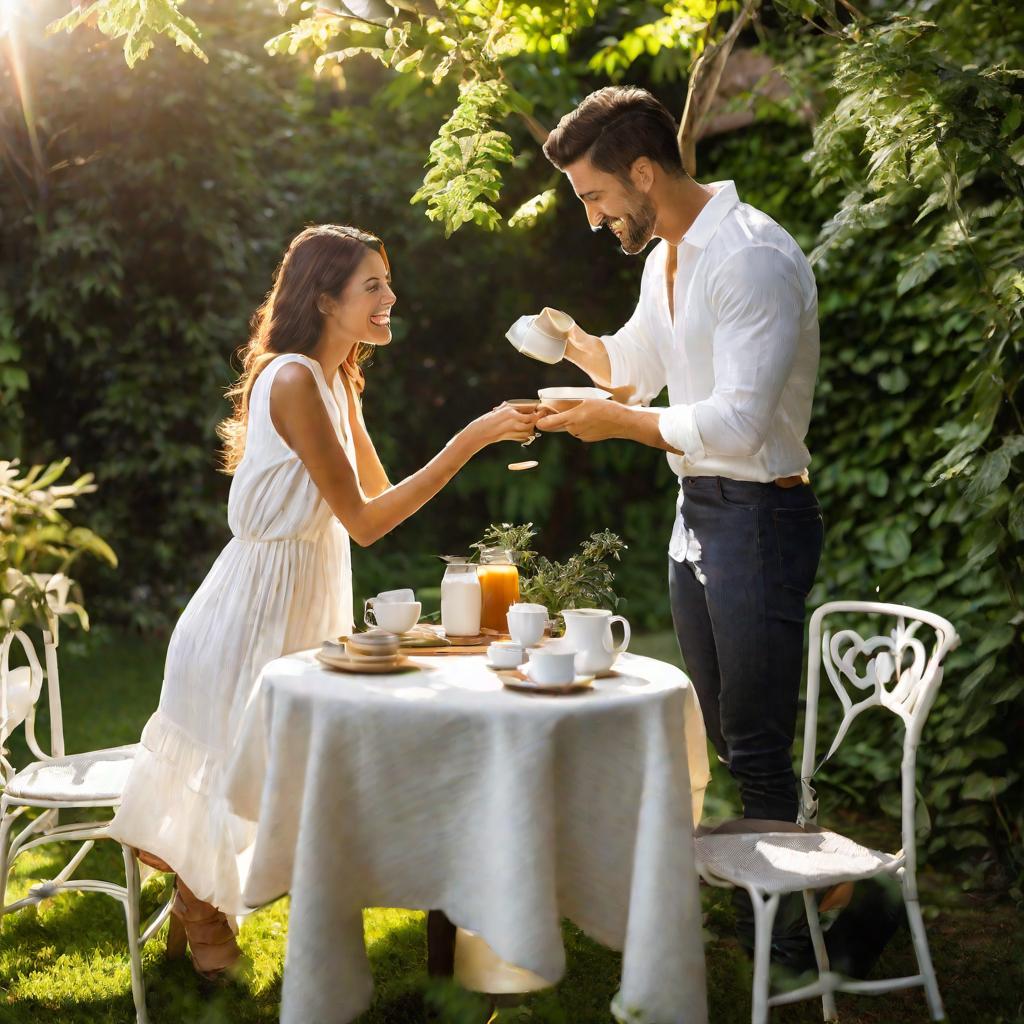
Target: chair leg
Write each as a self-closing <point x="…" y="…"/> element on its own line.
<point x="131" y="913"/>
<point x="924" y="958"/>
<point x="5" y="835"/>
<point x="764" y="918"/>
<point x="828" y="999"/>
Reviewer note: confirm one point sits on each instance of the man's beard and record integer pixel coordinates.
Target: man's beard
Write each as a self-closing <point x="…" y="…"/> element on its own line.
<point x="637" y="223"/>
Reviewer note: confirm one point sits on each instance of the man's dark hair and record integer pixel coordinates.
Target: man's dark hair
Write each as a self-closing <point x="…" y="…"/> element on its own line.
<point x="613" y="127"/>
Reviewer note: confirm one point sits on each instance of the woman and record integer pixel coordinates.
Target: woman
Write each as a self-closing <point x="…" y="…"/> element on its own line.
<point x="306" y="479"/>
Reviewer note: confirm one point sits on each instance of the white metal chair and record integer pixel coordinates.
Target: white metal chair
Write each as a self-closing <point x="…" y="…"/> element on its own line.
<point x="901" y="673"/>
<point x="59" y="781"/>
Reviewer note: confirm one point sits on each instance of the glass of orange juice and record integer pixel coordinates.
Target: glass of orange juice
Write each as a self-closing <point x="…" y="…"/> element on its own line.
<point x="499" y="588"/>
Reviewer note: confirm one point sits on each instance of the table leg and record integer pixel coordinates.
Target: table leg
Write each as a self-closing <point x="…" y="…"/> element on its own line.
<point x="440" y="945"/>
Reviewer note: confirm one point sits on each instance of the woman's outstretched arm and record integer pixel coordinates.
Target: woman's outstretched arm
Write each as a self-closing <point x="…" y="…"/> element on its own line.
<point x="301" y="419"/>
<point x="373" y="477"/>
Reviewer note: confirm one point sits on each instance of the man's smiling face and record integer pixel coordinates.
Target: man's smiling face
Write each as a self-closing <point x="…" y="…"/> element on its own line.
<point x="614" y="203"/>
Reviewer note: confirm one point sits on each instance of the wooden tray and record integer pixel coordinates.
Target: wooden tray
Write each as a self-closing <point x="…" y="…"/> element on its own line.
<point x="416" y="652"/>
<point x="456" y="645"/>
<point x="459" y="645"/>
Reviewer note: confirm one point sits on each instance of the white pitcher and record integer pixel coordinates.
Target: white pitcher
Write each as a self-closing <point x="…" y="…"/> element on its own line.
<point x="589" y="631"/>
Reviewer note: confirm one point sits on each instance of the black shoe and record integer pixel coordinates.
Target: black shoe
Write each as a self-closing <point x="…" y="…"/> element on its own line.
<point x="860" y="933"/>
<point x="791" y="938"/>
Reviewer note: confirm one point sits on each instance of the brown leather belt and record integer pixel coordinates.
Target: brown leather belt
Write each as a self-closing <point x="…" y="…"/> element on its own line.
<point x="792" y="481"/>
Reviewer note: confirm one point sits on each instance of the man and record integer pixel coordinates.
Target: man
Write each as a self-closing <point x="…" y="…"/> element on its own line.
<point x="727" y="321"/>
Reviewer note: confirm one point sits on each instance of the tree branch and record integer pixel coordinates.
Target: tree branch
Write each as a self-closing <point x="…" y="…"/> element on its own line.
<point x="707" y="73"/>
<point x="536" y="129"/>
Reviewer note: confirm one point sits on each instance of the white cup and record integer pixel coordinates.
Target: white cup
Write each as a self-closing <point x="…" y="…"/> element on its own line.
<point x="526" y="623"/>
<point x="505" y="654"/>
<point x="542" y="336"/>
<point x="392" y="616"/>
<point x="552" y="666"/>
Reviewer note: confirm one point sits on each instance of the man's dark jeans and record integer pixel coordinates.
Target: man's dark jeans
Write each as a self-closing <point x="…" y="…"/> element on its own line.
<point x="738" y="609"/>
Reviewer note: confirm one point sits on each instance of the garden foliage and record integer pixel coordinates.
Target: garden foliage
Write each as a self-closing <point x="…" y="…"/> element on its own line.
<point x="134" y="254"/>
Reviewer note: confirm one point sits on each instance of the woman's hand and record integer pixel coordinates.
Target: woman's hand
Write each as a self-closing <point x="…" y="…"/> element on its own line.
<point x="503" y="423"/>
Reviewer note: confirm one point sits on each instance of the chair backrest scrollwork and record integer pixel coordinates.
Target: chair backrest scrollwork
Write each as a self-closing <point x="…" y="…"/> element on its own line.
<point x="899" y="669"/>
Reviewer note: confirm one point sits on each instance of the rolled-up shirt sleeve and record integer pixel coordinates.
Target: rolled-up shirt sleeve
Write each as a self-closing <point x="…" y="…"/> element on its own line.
<point x="633" y="353"/>
<point x="758" y="302"/>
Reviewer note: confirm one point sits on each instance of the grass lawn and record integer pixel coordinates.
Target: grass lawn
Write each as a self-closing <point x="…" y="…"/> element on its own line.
<point x="65" y="962"/>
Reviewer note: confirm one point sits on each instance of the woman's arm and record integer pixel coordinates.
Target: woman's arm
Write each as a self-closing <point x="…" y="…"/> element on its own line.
<point x="301" y="419"/>
<point x="373" y="477"/>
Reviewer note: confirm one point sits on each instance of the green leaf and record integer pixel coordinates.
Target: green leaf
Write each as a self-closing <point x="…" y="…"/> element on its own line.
<point x="877" y="483"/>
<point x="993" y="470"/>
<point x="898" y="544"/>
<point x="967" y="838"/>
<point x="977" y="676"/>
<point x="979" y="786"/>
<point x="894" y="381"/>
<point x="534" y="209"/>
<point x="51" y="475"/>
<point x="1011" y="691"/>
<point x="1015" y="522"/>
<point x="410" y="62"/>
<point x="1011" y="122"/>
<point x="85" y="539"/>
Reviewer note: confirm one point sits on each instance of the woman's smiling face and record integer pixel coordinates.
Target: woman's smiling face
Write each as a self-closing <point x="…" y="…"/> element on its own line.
<point x="363" y="310"/>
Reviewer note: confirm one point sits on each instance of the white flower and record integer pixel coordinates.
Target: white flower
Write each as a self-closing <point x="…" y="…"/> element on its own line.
<point x="14" y="580"/>
<point x="55" y="589"/>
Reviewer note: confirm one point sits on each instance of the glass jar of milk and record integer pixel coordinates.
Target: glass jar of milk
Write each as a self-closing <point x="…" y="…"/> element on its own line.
<point x="460" y="597"/>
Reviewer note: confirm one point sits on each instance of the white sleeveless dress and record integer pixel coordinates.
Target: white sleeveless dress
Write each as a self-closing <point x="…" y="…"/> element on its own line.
<point x="282" y="584"/>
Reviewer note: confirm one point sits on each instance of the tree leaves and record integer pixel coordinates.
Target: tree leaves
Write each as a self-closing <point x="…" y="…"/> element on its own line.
<point x="535" y="208"/>
<point x="463" y="180"/>
<point x="139" y="22"/>
<point x="38" y="545"/>
<point x="994" y="468"/>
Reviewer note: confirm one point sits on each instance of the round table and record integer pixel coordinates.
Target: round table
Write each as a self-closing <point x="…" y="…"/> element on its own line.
<point x="441" y="789"/>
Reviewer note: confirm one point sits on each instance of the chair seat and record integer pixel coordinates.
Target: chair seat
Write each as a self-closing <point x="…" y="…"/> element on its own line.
<point x="94" y="777"/>
<point x="790" y="861"/>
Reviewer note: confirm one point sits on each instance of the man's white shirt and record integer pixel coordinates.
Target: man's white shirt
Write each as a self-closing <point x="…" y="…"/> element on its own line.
<point x="740" y="356"/>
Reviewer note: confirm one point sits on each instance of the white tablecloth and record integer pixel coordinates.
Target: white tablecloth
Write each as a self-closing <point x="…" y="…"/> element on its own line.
<point x="440" y="789"/>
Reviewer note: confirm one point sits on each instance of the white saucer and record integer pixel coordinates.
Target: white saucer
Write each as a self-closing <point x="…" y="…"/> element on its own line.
<point x="505" y="668"/>
<point x="512" y="679"/>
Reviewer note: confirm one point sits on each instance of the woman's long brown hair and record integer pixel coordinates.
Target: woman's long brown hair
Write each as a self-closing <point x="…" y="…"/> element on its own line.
<point x="320" y="260"/>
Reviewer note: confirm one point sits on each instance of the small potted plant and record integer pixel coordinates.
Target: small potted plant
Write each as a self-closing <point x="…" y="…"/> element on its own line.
<point x="584" y="580"/>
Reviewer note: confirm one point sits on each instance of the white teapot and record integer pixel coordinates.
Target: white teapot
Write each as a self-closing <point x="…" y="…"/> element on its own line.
<point x="589" y="631"/>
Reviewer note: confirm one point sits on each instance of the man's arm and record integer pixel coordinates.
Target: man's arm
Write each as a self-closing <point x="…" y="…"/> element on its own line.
<point x="599" y="419"/>
<point x="587" y="351"/>
<point x="758" y="303"/>
<point x="627" y="363"/>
